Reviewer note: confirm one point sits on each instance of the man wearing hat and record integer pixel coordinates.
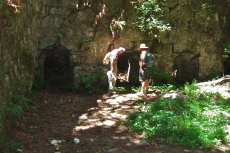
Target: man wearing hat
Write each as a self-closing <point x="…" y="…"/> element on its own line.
<point x="144" y="70"/>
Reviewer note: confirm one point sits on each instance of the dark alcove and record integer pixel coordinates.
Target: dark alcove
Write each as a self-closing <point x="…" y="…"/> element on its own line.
<point x="56" y="68"/>
<point x="186" y="67"/>
<point x="128" y="63"/>
<point x="226" y="65"/>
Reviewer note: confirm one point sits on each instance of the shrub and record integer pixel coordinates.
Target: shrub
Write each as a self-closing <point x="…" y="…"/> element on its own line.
<point x="196" y="120"/>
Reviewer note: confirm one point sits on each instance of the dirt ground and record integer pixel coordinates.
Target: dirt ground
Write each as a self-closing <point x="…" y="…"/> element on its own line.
<point x="93" y="120"/>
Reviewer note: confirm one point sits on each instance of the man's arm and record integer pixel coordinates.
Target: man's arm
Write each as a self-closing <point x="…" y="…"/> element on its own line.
<point x="143" y="58"/>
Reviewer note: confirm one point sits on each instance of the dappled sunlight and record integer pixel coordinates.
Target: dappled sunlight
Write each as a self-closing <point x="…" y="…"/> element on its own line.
<point x="15" y="5"/>
<point x="110" y="110"/>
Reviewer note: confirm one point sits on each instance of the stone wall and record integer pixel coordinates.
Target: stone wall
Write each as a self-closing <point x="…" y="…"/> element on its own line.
<point x="74" y="28"/>
<point x="194" y="29"/>
<point x="18" y="51"/>
<point x="197" y="30"/>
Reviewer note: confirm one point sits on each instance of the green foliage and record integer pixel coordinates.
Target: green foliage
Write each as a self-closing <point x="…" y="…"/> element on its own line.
<point x="22" y="100"/>
<point x="59" y="30"/>
<point x="81" y="41"/>
<point x="37" y="85"/>
<point x="226" y="50"/>
<point x="91" y="83"/>
<point x="120" y="88"/>
<point x="149" y="17"/>
<point x="190" y="89"/>
<point x="119" y="24"/>
<point x="207" y="6"/>
<point x="32" y="130"/>
<point x="59" y="33"/>
<point x="213" y="74"/>
<point x="63" y="22"/>
<point x="164" y="87"/>
<point x="14" y="146"/>
<point x="38" y="122"/>
<point x="159" y="76"/>
<point x="15" y="110"/>
<point x="195" y="120"/>
<point x="18" y="106"/>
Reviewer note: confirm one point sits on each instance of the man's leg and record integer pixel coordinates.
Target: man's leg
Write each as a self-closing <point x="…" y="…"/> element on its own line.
<point x="110" y="83"/>
<point x="144" y="86"/>
<point x="147" y="86"/>
<point x="142" y="79"/>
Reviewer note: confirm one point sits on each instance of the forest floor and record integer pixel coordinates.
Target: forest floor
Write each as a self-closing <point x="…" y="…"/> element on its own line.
<point x="61" y="117"/>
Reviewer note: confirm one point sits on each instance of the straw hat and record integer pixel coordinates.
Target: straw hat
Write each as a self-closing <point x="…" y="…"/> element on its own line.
<point x="143" y="46"/>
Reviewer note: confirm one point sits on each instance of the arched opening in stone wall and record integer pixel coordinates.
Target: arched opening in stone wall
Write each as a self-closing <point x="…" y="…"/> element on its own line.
<point x="128" y="63"/>
<point x="56" y="68"/>
<point x="186" y="67"/>
<point x="226" y="65"/>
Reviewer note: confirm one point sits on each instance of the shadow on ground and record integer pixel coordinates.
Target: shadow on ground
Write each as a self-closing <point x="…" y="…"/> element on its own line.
<point x="90" y="118"/>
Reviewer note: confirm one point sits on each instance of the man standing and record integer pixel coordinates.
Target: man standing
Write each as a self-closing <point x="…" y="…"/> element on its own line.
<point x="144" y="70"/>
<point x="112" y="73"/>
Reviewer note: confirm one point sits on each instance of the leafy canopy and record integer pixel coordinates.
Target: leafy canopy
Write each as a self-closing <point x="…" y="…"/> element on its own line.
<point x="150" y="17"/>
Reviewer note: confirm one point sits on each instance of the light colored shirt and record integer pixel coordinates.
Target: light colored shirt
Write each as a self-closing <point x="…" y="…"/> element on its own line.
<point x="142" y="58"/>
<point x="114" y="55"/>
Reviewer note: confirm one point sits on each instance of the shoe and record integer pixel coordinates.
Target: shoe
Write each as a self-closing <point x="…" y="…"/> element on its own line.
<point x="141" y="93"/>
<point x="112" y="92"/>
<point x="147" y="91"/>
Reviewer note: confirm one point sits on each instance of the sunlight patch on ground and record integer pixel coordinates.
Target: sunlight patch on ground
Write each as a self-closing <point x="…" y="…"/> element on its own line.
<point x="108" y="112"/>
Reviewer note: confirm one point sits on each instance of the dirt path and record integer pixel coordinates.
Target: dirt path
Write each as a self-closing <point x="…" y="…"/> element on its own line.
<point x="92" y="119"/>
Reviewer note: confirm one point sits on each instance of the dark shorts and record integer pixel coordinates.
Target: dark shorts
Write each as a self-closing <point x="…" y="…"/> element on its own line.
<point x="143" y="73"/>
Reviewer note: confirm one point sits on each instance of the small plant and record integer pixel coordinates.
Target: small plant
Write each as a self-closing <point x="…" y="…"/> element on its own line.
<point x="63" y="22"/>
<point x="164" y="87"/>
<point x="121" y="122"/>
<point x="59" y="33"/>
<point x="136" y="89"/>
<point x="37" y="84"/>
<point x="14" y="146"/>
<point x="226" y="50"/>
<point x="15" y="110"/>
<point x="120" y="89"/>
<point x="22" y="100"/>
<point x="91" y="83"/>
<point x="80" y="41"/>
<point x="159" y="76"/>
<point x="32" y="130"/>
<point x="38" y="122"/>
<point x="19" y="104"/>
<point x="207" y="6"/>
<point x="190" y="89"/>
<point x="213" y="74"/>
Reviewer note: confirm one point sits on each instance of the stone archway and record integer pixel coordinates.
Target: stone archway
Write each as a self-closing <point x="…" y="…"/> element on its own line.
<point x="226" y="65"/>
<point x="186" y="67"/>
<point x="56" y="68"/>
<point x="128" y="62"/>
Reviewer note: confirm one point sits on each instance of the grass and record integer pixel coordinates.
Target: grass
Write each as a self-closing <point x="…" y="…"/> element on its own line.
<point x="196" y="120"/>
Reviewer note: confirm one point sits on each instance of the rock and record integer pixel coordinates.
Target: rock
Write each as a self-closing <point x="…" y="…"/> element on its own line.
<point x="143" y="143"/>
<point x="76" y="140"/>
<point x="111" y="151"/>
<point x="173" y="94"/>
<point x="56" y="143"/>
